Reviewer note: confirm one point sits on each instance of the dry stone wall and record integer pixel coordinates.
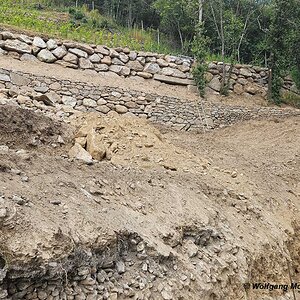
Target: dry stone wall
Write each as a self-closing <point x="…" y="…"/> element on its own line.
<point x="245" y="79"/>
<point x="62" y="98"/>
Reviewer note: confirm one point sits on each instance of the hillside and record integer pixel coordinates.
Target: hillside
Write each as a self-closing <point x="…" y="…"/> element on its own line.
<point x="76" y="24"/>
<point x="118" y="181"/>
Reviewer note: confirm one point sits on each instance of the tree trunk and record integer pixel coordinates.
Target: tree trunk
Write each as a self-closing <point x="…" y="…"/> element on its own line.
<point x="201" y="11"/>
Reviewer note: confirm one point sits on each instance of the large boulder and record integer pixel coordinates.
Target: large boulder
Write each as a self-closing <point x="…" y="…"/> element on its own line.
<point x="79" y="153"/>
<point x="215" y="84"/>
<point x="102" y="50"/>
<point x="60" y="52"/>
<point x="152" y="68"/>
<point x="135" y="66"/>
<point x="68" y="100"/>
<point x="78" y="52"/>
<point x="85" y="63"/>
<point x="95" y="145"/>
<point x="39" y="42"/>
<point x="18" y="46"/>
<point x="71" y="58"/>
<point x="46" y="56"/>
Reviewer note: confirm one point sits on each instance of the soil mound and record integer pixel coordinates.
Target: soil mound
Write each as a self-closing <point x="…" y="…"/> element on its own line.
<point x="25" y="128"/>
<point x="132" y="141"/>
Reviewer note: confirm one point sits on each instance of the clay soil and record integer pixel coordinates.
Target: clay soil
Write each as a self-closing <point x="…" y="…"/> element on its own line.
<point x="242" y="182"/>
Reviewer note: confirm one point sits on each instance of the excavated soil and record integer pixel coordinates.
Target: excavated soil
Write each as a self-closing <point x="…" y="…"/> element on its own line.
<point x="164" y="214"/>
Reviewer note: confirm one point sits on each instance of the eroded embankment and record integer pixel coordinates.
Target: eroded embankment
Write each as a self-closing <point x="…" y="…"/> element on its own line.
<point x="218" y="211"/>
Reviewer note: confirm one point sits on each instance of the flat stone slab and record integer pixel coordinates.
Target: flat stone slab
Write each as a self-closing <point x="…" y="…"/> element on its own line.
<point x="173" y="80"/>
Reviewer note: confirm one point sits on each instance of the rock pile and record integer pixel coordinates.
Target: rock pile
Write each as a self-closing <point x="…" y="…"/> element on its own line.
<point x="128" y="140"/>
<point x="63" y="98"/>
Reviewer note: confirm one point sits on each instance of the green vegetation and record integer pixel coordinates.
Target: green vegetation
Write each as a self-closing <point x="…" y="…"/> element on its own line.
<point x="200" y="50"/>
<point x="79" y="24"/>
<point x="291" y="99"/>
<point x="264" y="32"/>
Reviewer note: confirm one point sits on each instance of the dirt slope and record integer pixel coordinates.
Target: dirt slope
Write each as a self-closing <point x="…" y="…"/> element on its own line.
<point x="226" y="215"/>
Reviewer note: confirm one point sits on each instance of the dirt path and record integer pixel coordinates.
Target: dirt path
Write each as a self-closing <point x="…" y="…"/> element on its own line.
<point x="104" y="79"/>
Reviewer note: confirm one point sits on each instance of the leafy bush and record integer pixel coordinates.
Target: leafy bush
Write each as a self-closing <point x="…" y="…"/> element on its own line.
<point x="291" y="98"/>
<point x="199" y="49"/>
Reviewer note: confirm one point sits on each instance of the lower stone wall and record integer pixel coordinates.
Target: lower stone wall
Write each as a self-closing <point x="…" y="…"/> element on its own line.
<point x="61" y="98"/>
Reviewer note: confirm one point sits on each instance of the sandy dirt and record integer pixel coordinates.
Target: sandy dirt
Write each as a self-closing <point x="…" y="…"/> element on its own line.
<point x="241" y="182"/>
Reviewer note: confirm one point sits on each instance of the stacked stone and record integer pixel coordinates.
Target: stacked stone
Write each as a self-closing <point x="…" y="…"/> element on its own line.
<point x="137" y="273"/>
<point x="244" y="80"/>
<point x="99" y="58"/>
<point x="62" y="98"/>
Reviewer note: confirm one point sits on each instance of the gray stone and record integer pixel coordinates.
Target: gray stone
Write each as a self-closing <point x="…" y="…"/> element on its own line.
<point x="121" y="109"/>
<point x="19" y="200"/>
<point x="60" y="52"/>
<point x="173" y="80"/>
<point x="118" y="62"/>
<point x="51" y="44"/>
<point x="41" y="89"/>
<point x="215" y="84"/>
<point x="18" y="46"/>
<point x="162" y="63"/>
<point x="184" y="67"/>
<point x="3" y="213"/>
<point x="46" y="56"/>
<point x="245" y="72"/>
<point x="78" y="52"/>
<point x="113" y="53"/>
<point x="42" y="295"/>
<point x="53" y="97"/>
<point x="86" y="48"/>
<point x="89" y="102"/>
<point x="103" y="109"/>
<point x="135" y="66"/>
<point x="68" y="100"/>
<point x="4" y="77"/>
<point x="166" y="295"/>
<point x="85" y="63"/>
<point x="79" y="153"/>
<point x="7" y="35"/>
<point x="45" y="99"/>
<point x="2" y="52"/>
<point x="28" y="57"/>
<point x="120" y="266"/>
<point x="106" y="60"/>
<point x="145" y="75"/>
<point x="101" y="101"/>
<point x="132" y="55"/>
<point x="238" y="89"/>
<point x="71" y="58"/>
<point x="170" y="58"/>
<point x="124" y="58"/>
<point x="191" y="249"/>
<point x="102" y="50"/>
<point x="24" y="38"/>
<point x="125" y="71"/>
<point x="19" y="79"/>
<point x="95" y="58"/>
<point x="101" y="67"/>
<point x="116" y="69"/>
<point x="39" y="42"/>
<point x="152" y="68"/>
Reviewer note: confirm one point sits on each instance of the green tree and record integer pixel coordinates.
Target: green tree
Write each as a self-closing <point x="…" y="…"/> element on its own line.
<point x="284" y="41"/>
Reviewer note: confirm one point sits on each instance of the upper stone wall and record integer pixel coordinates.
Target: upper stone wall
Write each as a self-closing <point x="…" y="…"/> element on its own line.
<point x="245" y="79"/>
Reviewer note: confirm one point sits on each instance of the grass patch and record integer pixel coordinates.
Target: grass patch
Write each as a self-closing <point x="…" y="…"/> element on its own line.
<point x="291" y="99"/>
<point x="79" y="25"/>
